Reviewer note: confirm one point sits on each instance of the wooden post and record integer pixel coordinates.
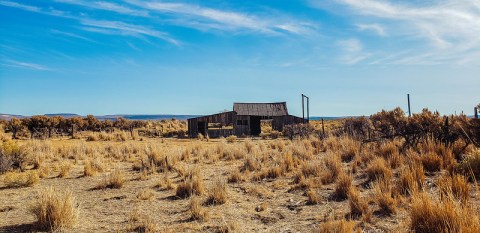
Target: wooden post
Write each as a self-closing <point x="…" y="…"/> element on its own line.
<point x="447" y="132"/>
<point x="409" y="110"/>
<point x="323" y="128"/>
<point x="476" y="112"/>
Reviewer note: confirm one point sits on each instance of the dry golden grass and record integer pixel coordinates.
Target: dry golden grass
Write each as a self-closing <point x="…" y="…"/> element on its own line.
<point x="145" y="194"/>
<point x="343" y="186"/>
<point x="192" y="185"/>
<point x="431" y="162"/>
<point x="92" y="167"/>
<point x="218" y="193"/>
<point x="141" y="223"/>
<point x="65" y="168"/>
<point x="20" y="179"/>
<point x="114" y="180"/>
<point x="411" y="180"/>
<point x="196" y="210"/>
<point x="302" y="181"/>
<point x="313" y="197"/>
<point x="55" y="210"/>
<point x="337" y="226"/>
<point x="429" y="215"/>
<point x="358" y="205"/>
<point x="455" y="186"/>
<point x="384" y="197"/>
<point x="378" y="170"/>
<point x="235" y="177"/>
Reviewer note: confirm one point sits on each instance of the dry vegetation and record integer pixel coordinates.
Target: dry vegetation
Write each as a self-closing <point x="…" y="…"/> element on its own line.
<point x="337" y="182"/>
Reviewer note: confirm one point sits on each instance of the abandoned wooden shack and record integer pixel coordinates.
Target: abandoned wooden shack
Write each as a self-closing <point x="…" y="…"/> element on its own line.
<point x="245" y="119"/>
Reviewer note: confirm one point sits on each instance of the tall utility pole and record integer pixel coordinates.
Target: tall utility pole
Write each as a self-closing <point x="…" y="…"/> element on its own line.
<point x="409" y="110"/>
<point x="303" y="108"/>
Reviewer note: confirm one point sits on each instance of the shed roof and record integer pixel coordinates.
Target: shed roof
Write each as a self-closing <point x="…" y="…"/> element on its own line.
<point x="261" y="109"/>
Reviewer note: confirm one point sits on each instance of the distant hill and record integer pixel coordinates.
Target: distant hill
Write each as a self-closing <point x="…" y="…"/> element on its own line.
<point x="110" y="117"/>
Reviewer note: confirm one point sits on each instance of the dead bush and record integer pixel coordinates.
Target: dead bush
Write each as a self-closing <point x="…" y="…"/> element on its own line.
<point x="21" y="179"/>
<point x="378" y="170"/>
<point x="197" y="211"/>
<point x="343" y="186"/>
<point x="55" y="210"/>
<point x="218" y="194"/>
<point x="429" y="215"/>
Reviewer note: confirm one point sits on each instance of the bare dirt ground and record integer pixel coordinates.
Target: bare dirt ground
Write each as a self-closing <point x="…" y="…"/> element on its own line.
<point x="267" y="204"/>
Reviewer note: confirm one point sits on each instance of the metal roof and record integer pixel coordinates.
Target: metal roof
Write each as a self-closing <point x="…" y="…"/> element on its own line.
<point x="261" y="109"/>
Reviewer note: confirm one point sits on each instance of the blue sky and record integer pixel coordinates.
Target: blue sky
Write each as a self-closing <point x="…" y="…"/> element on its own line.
<point x="352" y="57"/>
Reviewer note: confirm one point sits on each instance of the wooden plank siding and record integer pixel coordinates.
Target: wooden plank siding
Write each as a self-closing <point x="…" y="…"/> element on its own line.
<point x="241" y="117"/>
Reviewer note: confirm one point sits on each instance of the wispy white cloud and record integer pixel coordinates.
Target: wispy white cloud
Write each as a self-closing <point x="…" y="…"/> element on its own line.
<point x="121" y="28"/>
<point x="97" y="26"/>
<point x="451" y="28"/>
<point x="49" y="11"/>
<point x="352" y="51"/>
<point x="377" y="28"/>
<point x="72" y="35"/>
<point x="25" y="65"/>
<point x="208" y="18"/>
<point x="107" y="6"/>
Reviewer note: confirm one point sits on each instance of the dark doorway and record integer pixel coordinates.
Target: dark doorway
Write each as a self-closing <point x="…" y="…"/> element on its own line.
<point x="255" y="126"/>
<point x="201" y="128"/>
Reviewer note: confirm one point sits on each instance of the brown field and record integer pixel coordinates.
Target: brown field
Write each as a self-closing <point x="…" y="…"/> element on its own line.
<point x="335" y="184"/>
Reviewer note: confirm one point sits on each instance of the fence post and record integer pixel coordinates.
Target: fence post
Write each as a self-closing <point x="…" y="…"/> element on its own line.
<point x="447" y="132"/>
<point x="476" y="112"/>
<point x="323" y="129"/>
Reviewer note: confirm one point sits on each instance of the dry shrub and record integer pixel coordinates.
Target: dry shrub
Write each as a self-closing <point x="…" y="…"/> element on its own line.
<point x="228" y="227"/>
<point x="384" y="197"/>
<point x="114" y="180"/>
<point x="197" y="211"/>
<point x="251" y="164"/>
<point x="358" y="205"/>
<point x="313" y="197"/>
<point x="311" y="169"/>
<point x="165" y="183"/>
<point x="235" y="177"/>
<point x="470" y="165"/>
<point x="378" y="170"/>
<point x="92" y="167"/>
<point x="218" y="194"/>
<point x="145" y="194"/>
<point x="141" y="223"/>
<point x="431" y="162"/>
<point x="288" y="163"/>
<point x="349" y="149"/>
<point x="343" y="186"/>
<point x="411" y="179"/>
<point x="55" y="210"/>
<point x="43" y="171"/>
<point x="64" y="169"/>
<point x="23" y="179"/>
<point x="337" y="226"/>
<point x="429" y="215"/>
<point x="333" y="167"/>
<point x="455" y="186"/>
<point x="92" y="137"/>
<point x="231" y="138"/>
<point x="200" y="137"/>
<point x="387" y="150"/>
<point x="190" y="186"/>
